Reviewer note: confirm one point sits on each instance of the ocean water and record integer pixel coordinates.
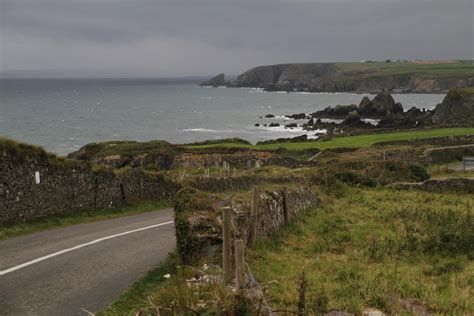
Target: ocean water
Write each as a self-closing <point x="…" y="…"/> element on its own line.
<point x="63" y="115"/>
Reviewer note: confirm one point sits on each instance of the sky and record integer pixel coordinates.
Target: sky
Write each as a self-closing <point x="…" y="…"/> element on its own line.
<point x="174" y="38"/>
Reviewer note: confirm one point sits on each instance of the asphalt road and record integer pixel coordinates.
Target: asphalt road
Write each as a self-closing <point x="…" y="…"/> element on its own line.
<point x="83" y="267"/>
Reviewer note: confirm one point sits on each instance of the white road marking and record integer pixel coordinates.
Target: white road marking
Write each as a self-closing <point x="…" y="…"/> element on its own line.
<point x="20" y="266"/>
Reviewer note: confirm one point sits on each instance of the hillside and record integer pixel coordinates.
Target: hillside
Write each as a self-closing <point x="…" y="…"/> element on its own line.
<point x="400" y="76"/>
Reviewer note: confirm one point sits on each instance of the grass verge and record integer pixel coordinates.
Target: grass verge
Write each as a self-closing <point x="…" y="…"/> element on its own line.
<point x="376" y="248"/>
<point x="7" y="231"/>
<point x="358" y="141"/>
<point x="136" y="297"/>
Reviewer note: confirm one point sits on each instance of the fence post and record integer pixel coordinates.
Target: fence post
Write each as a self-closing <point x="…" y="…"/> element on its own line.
<point x="226" y="244"/>
<point x="239" y="246"/>
<point x="254" y="215"/>
<point x="286" y="211"/>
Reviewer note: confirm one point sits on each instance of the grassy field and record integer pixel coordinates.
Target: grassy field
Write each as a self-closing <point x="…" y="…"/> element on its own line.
<point x="7" y="231"/>
<point x="374" y="248"/>
<point x="351" y="141"/>
<point x="464" y="68"/>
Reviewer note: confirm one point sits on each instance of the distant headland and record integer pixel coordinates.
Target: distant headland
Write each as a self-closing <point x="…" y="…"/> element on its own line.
<point x="400" y="76"/>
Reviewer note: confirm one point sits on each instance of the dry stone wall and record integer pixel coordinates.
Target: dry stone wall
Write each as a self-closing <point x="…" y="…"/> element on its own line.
<point x="455" y="185"/>
<point x="38" y="186"/>
<point x="198" y="218"/>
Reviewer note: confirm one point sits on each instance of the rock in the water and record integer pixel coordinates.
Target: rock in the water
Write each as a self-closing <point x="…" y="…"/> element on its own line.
<point x="291" y="125"/>
<point x="353" y="120"/>
<point x="382" y="104"/>
<point x="269" y="116"/>
<point x="457" y="108"/>
<point x="216" y="81"/>
<point x="273" y="125"/>
<point x="299" y="116"/>
<point x="338" y="112"/>
<point x="257" y="125"/>
<point x="414" y="117"/>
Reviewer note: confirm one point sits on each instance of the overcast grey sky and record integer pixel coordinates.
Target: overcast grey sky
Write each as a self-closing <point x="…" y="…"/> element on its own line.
<point x="204" y="37"/>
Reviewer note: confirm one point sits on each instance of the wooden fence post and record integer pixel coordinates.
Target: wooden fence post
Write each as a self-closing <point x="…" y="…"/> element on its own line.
<point x="286" y="212"/>
<point x="254" y="215"/>
<point x="226" y="244"/>
<point x="239" y="247"/>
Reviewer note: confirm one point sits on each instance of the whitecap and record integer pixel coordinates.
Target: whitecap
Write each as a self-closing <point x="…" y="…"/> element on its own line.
<point x="374" y="122"/>
<point x="202" y="130"/>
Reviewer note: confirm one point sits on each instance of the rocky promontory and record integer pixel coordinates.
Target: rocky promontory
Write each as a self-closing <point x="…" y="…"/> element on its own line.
<point x="362" y="77"/>
<point x="216" y="81"/>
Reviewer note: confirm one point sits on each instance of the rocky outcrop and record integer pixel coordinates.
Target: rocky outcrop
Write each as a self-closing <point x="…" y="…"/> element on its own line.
<point x="380" y="106"/>
<point x="216" y="81"/>
<point x="457" y="108"/>
<point x="338" y="112"/>
<point x="353" y="120"/>
<point x="414" y="117"/>
<point x="299" y="116"/>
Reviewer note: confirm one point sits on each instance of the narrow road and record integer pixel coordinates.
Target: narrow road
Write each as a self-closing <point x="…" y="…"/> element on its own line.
<point x="69" y="270"/>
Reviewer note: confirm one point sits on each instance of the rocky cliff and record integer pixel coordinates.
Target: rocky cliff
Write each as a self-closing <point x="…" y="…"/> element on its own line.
<point x="357" y="77"/>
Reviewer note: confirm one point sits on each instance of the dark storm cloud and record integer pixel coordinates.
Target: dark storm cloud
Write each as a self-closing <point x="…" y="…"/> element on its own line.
<point x="162" y="38"/>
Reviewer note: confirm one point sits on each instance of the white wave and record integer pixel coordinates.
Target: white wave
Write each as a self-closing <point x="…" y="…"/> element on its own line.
<point x="282" y="129"/>
<point x="199" y="130"/>
<point x="326" y="120"/>
<point x="282" y="117"/>
<point x="255" y="90"/>
<point x="374" y="122"/>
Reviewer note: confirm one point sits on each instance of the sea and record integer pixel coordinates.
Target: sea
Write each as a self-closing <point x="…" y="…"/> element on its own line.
<point x="62" y="115"/>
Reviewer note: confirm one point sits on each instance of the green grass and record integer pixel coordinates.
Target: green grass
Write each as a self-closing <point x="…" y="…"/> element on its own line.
<point x="136" y="297"/>
<point x="374" y="248"/>
<point x="7" y="231"/>
<point x="465" y="68"/>
<point x="352" y="141"/>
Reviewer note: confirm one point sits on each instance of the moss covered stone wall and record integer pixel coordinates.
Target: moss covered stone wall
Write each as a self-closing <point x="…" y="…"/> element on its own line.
<point x="36" y="184"/>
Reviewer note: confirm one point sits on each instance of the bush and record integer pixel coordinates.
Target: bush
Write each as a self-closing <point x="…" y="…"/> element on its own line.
<point x="419" y="173"/>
